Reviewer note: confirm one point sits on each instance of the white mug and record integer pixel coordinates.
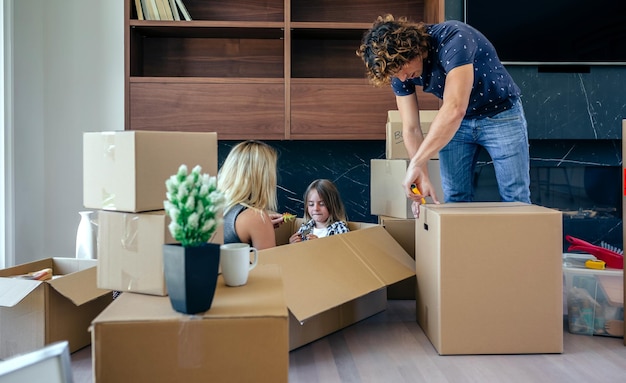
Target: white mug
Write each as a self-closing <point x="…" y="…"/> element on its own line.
<point x="235" y="262"/>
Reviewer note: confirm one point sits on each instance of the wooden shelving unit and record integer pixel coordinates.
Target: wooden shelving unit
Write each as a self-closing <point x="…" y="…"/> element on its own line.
<point x="272" y="70"/>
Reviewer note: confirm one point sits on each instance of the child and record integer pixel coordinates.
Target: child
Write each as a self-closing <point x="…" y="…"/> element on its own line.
<point x="324" y="212"/>
<point x="248" y="180"/>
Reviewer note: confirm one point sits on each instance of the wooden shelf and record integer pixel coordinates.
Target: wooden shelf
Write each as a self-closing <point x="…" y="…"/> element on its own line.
<point x="274" y="69"/>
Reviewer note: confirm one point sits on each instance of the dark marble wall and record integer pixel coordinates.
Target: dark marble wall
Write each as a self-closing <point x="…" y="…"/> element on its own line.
<point x="561" y="105"/>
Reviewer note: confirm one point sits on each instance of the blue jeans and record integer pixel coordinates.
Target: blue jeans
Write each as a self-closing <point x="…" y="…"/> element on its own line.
<point x="505" y="137"/>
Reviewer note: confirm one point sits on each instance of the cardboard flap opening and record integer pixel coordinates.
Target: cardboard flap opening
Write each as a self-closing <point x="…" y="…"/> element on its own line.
<point x="13" y="290"/>
<point x="80" y="287"/>
<point x="383" y="255"/>
<point x="325" y="273"/>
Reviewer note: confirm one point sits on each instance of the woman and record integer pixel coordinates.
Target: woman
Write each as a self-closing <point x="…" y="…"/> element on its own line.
<point x="248" y="181"/>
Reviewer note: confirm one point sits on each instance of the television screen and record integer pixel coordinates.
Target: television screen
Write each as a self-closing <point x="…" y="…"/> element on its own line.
<point x="553" y="31"/>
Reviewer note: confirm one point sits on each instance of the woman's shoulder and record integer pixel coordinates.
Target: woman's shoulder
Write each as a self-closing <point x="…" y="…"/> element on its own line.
<point x="255" y="226"/>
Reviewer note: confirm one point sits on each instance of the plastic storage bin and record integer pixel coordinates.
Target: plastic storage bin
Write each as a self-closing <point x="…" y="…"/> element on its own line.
<point x="595" y="301"/>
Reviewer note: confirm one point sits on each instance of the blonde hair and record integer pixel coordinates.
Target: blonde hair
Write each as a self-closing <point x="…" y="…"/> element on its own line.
<point x="328" y="193"/>
<point x="248" y="176"/>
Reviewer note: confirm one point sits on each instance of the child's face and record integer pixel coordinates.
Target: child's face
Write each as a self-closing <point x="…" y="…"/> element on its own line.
<point x="317" y="208"/>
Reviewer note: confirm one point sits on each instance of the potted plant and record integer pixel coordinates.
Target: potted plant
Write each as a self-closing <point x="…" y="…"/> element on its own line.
<point x="194" y="206"/>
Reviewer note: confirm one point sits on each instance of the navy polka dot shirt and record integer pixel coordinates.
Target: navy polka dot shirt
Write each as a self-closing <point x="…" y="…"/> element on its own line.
<point x="454" y="44"/>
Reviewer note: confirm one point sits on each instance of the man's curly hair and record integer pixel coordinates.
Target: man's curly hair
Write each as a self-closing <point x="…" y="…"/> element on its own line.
<point x="389" y="45"/>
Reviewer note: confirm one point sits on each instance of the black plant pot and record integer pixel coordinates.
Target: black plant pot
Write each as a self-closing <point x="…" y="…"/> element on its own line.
<point x="191" y="276"/>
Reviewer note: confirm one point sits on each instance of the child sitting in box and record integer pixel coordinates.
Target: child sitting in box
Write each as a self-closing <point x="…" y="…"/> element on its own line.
<point x="324" y="212"/>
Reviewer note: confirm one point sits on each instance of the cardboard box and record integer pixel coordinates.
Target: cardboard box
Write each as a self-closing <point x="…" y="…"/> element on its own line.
<point x="403" y="231"/>
<point x="489" y="278"/>
<point x="35" y="313"/>
<point x="394" y="148"/>
<point x="127" y="170"/>
<point x="595" y="301"/>
<point x="242" y="338"/>
<point x="386" y="193"/>
<point x="333" y="282"/>
<point x="130" y="251"/>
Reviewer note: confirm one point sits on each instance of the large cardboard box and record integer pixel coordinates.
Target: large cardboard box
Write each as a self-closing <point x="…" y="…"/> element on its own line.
<point x="394" y="147"/>
<point x="130" y="251"/>
<point x="489" y="278"/>
<point x="387" y="196"/>
<point x="403" y="231"/>
<point x="36" y="313"/>
<point x="333" y="282"/>
<point x="241" y="338"/>
<point x="126" y="170"/>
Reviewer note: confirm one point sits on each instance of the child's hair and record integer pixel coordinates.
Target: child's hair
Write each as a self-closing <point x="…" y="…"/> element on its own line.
<point x="248" y="176"/>
<point x="328" y="192"/>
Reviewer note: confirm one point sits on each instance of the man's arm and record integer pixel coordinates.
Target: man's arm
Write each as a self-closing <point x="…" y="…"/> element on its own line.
<point x="459" y="82"/>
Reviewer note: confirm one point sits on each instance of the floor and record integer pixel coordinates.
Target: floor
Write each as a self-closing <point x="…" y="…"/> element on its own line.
<point x="391" y="347"/>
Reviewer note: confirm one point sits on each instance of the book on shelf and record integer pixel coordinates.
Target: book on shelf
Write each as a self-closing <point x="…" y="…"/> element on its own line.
<point x="174" y="10"/>
<point x="165" y="12"/>
<point x="183" y="10"/>
<point x="153" y="11"/>
<point x="139" y="9"/>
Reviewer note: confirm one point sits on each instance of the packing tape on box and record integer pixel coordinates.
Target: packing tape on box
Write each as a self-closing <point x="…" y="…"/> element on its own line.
<point x="108" y="200"/>
<point x="130" y="242"/>
<point x="108" y="145"/>
<point x="108" y="152"/>
<point x="190" y="345"/>
<point x="130" y="237"/>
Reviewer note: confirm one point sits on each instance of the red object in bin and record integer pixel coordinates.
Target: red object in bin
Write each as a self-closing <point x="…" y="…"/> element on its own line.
<point x="611" y="258"/>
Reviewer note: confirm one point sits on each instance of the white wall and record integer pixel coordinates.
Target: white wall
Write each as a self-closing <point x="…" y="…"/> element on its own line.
<point x="68" y="79"/>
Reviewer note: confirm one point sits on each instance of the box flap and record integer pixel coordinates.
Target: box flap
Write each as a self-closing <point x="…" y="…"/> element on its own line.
<point x="79" y="286"/>
<point x="26" y="268"/>
<point x="13" y="290"/>
<point x="378" y="249"/>
<point x="324" y="273"/>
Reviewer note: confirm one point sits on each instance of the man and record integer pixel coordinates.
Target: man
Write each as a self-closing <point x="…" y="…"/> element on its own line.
<point x="481" y="105"/>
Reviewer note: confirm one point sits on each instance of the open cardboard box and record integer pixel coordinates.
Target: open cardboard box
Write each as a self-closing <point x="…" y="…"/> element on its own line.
<point x="333" y="282"/>
<point x="36" y="313"/>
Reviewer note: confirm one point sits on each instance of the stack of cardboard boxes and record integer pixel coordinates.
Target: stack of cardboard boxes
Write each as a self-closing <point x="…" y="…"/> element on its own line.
<point x="388" y="201"/>
<point x="139" y="337"/>
<point x="387" y="195"/>
<point x="124" y="177"/>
